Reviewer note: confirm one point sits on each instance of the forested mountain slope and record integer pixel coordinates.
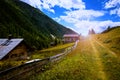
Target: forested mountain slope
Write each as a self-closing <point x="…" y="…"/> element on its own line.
<point x="24" y="21"/>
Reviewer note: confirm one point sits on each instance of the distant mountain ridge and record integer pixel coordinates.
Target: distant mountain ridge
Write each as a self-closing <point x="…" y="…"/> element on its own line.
<point x="22" y="20"/>
<point x="110" y="28"/>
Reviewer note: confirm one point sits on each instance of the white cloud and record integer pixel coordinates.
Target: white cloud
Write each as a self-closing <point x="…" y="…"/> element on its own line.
<point x="33" y="3"/>
<point x="39" y="4"/>
<point x="81" y="19"/>
<point x="98" y="26"/>
<point x="75" y="16"/>
<point x="113" y="4"/>
<point x="57" y="19"/>
<point x="67" y="4"/>
<point x="115" y="11"/>
<point x="49" y="4"/>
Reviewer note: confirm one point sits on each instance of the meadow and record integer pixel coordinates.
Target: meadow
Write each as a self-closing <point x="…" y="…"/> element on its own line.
<point x="91" y="60"/>
<point x="50" y="51"/>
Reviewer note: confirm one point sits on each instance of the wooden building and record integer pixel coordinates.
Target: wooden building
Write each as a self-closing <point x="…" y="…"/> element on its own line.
<point x="13" y="49"/>
<point x="67" y="38"/>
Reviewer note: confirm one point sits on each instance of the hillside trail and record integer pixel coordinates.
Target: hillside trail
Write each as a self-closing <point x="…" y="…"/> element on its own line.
<point x="110" y="51"/>
<point x="99" y="64"/>
<point x="102" y="56"/>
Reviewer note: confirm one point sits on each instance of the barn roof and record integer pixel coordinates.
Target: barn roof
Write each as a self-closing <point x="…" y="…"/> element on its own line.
<point x="70" y="35"/>
<point x="7" y="45"/>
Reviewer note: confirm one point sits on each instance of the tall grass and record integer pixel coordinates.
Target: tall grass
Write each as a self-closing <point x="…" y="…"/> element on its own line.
<point x="51" y="51"/>
<point x="111" y="39"/>
<point x="58" y="47"/>
<point x="10" y="63"/>
<point x="89" y="61"/>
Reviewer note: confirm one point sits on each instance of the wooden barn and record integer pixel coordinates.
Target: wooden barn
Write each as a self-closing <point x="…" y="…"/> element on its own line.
<point x="67" y="38"/>
<point x="13" y="49"/>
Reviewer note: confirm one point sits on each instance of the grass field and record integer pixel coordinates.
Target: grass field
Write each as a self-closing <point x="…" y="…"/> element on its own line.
<point x="62" y="46"/>
<point x="111" y="40"/>
<point x="10" y="63"/>
<point x="36" y="55"/>
<point x="91" y="60"/>
<point x="51" y="51"/>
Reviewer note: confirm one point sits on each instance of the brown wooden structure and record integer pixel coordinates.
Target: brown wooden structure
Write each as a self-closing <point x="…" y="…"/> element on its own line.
<point x="15" y="49"/>
<point x="67" y="38"/>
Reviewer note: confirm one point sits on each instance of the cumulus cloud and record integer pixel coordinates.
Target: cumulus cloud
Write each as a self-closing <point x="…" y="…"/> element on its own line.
<point x="75" y="16"/>
<point x="57" y="19"/>
<point x="112" y="3"/>
<point x="67" y="4"/>
<point x="49" y="4"/>
<point x="98" y="26"/>
<point x="115" y="4"/>
<point x="33" y="3"/>
<point x="82" y="21"/>
<point x="39" y="4"/>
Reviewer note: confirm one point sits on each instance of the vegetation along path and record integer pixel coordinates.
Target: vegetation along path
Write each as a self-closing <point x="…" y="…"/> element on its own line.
<point x="91" y="60"/>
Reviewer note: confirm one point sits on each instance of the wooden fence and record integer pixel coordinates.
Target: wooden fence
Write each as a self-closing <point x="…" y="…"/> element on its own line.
<point x="27" y="69"/>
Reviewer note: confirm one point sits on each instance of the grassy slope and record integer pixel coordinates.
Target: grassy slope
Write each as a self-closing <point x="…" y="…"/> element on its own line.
<point x="111" y="39"/>
<point x="93" y="59"/>
<point x="58" y="47"/>
<point x="50" y="51"/>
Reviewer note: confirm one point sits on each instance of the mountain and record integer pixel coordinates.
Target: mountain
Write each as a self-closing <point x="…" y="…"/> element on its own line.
<point x="24" y="21"/>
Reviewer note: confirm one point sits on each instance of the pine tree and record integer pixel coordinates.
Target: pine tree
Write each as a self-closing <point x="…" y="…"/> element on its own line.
<point x="92" y="31"/>
<point x="108" y="28"/>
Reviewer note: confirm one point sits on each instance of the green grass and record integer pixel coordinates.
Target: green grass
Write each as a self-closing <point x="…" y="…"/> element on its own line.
<point x="58" y="47"/>
<point x="111" y="64"/>
<point x="50" y="51"/>
<point x="111" y="40"/>
<point x="10" y="63"/>
<point x="36" y="55"/>
<point x="89" y="61"/>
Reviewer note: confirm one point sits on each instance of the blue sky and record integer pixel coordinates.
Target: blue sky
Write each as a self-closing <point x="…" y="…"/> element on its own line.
<point x="81" y="15"/>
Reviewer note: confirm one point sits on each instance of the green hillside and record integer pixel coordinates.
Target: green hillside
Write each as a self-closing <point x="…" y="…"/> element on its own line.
<point x="111" y="39"/>
<point x="23" y="21"/>
<point x="97" y="57"/>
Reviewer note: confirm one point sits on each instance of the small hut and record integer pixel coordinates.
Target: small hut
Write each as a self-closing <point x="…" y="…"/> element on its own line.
<point x="67" y="38"/>
<point x="13" y="49"/>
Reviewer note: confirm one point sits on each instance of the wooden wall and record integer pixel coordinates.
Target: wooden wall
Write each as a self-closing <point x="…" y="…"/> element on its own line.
<point x="18" y="53"/>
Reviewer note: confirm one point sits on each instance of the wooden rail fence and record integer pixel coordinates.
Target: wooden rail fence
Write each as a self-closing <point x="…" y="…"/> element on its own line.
<point x="27" y="69"/>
